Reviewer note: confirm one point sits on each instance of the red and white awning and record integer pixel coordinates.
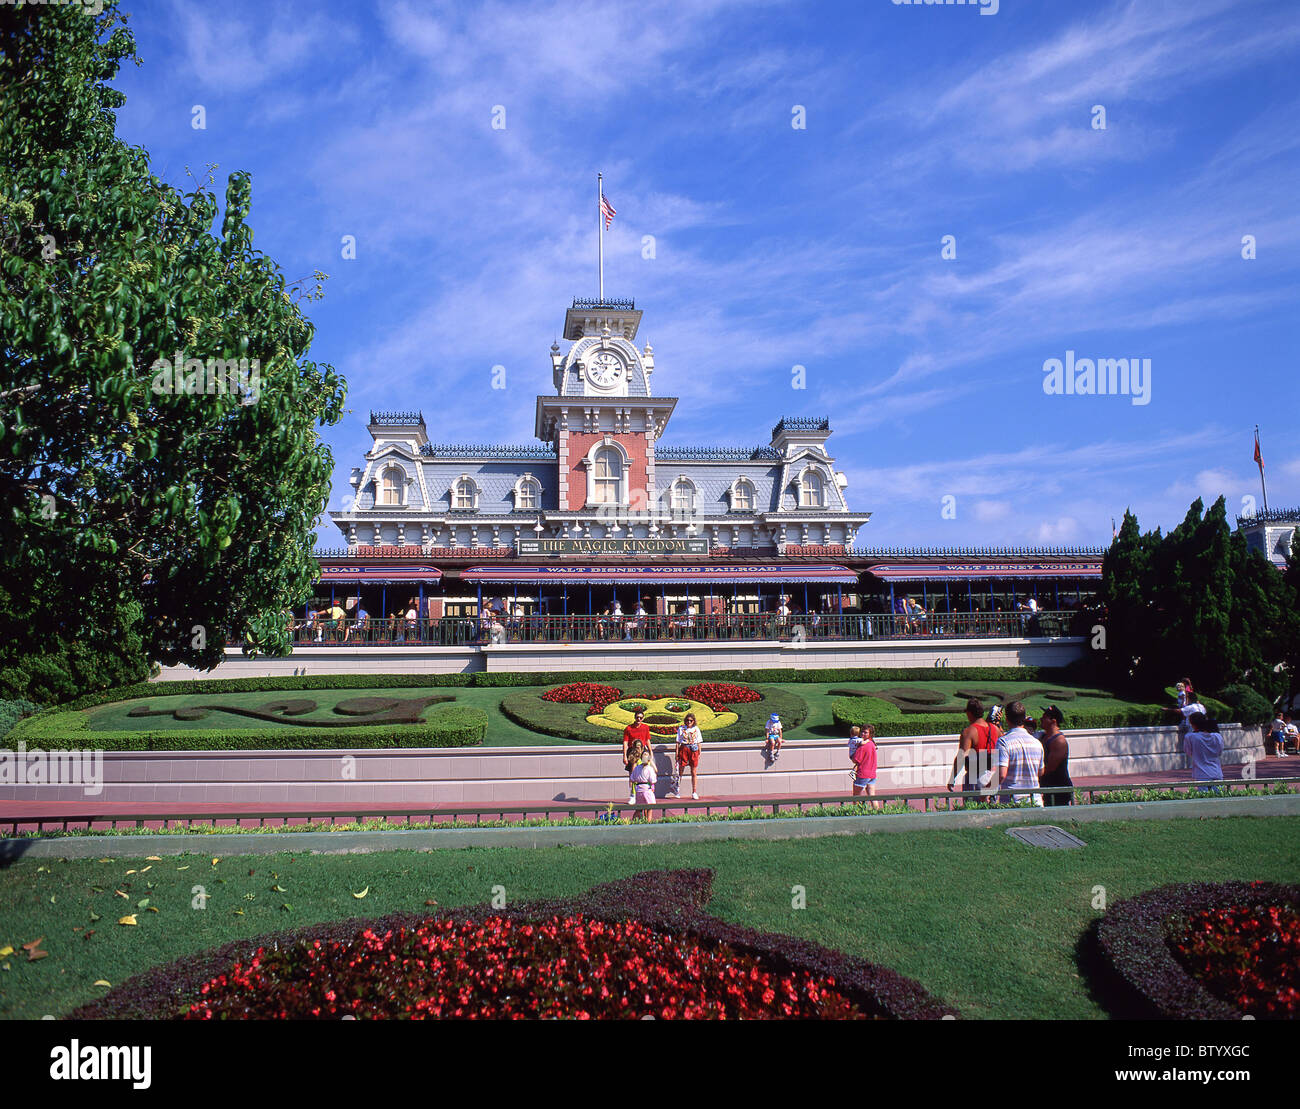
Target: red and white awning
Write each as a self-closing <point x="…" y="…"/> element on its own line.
<point x="660" y="575"/>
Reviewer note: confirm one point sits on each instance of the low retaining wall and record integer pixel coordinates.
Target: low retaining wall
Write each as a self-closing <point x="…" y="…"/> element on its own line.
<point x="578" y="772"/>
<point x="674" y="655"/>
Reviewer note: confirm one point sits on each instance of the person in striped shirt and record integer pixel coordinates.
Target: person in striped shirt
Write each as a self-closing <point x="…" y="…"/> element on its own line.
<point x="1020" y="757"/>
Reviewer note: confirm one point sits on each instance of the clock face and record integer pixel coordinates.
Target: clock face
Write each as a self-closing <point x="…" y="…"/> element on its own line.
<point x="604" y="368"/>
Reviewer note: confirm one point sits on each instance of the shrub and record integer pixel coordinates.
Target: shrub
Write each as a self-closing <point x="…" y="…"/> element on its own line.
<point x="13" y="711"/>
<point x="1133" y="947"/>
<point x="1244" y="705"/>
<point x="445" y="725"/>
<point x="1246" y="957"/>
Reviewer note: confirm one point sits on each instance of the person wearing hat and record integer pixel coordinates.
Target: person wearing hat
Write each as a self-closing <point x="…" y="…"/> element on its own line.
<point x="1056" y="757"/>
<point x="772" y="749"/>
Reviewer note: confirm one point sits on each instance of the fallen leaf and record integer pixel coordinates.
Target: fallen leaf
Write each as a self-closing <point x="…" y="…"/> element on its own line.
<point x="4" y="951"/>
<point x="97" y="889"/>
<point x="153" y="858"/>
<point x="185" y="867"/>
<point x="146" y="868"/>
<point x="362" y="894"/>
<point x="87" y="933"/>
<point x="32" y="956"/>
<point x="34" y="943"/>
<point x="239" y="912"/>
<point x="215" y="861"/>
<point x="278" y="889"/>
<point x="128" y="919"/>
<point x="94" y="917"/>
<point x="142" y="904"/>
<point x="287" y="908"/>
<point x="431" y="902"/>
<point x="153" y="909"/>
<point x="119" y="893"/>
<point x="130" y="871"/>
<point x="105" y="860"/>
<point x="77" y="927"/>
<point x="52" y="901"/>
<point x="44" y="868"/>
<point x="101" y="982"/>
<point x="251" y="873"/>
<point x="4" y="966"/>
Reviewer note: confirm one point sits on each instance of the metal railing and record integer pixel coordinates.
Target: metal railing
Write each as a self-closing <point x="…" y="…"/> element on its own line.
<point x="469" y="631"/>
<point x="512" y="813"/>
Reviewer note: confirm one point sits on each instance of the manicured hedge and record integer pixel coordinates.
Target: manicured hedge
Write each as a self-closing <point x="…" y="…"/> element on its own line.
<point x="1131" y="959"/>
<point x="13" y="711"/>
<point x="447" y="725"/>
<point x="670" y="902"/>
<point x="888" y="720"/>
<point x="527" y="709"/>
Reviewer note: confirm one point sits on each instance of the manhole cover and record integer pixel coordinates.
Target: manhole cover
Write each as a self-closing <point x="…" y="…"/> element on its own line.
<point x="1045" y="835"/>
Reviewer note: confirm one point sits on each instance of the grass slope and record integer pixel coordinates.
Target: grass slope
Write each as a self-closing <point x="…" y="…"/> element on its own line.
<point x="984" y="922"/>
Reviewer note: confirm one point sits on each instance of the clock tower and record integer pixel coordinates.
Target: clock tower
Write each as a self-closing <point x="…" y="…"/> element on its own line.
<point x="604" y="419"/>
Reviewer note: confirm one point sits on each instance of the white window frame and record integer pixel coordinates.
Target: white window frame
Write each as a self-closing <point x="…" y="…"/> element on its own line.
<point x="743" y="486"/>
<point x="589" y="463"/>
<point x="683" y="482"/>
<point x="400" y="485"/>
<point x="805" y="484"/>
<point x="528" y="485"/>
<point x="456" y="485"/>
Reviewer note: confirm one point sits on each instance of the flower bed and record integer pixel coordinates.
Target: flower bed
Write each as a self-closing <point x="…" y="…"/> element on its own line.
<point x="579" y="693"/>
<point x="652" y="928"/>
<point x="1188" y="952"/>
<point x="1246" y="957"/>
<point x="565" y="967"/>
<point x="718" y="695"/>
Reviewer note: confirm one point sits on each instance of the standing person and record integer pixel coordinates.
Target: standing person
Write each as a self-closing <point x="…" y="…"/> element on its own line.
<point x="772" y="748"/>
<point x="1274" y="736"/>
<point x="1056" y="757"/>
<point x="863" y="757"/>
<point x="636" y="732"/>
<point x="689" y="739"/>
<point x="1020" y="758"/>
<point x="976" y="750"/>
<point x="1203" y="746"/>
<point x="1187" y="704"/>
<point x="643" y="778"/>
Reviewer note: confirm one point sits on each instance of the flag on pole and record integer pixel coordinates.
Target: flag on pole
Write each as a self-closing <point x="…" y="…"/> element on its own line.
<point x="1114" y="531"/>
<point x="607" y="210"/>
<point x="1259" y="458"/>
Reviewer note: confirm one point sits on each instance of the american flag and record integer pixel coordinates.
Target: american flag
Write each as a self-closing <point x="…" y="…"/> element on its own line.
<point x="607" y="210"/>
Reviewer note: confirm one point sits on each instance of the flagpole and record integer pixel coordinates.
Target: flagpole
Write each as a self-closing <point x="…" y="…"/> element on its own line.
<point x="600" y="224"/>
<point x="1263" y="486"/>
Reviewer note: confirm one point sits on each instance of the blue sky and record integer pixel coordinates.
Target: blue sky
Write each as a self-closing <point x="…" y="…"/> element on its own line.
<point x="776" y="246"/>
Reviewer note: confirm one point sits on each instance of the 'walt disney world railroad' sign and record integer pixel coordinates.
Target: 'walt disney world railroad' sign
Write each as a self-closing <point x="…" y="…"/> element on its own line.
<point x="613" y="546"/>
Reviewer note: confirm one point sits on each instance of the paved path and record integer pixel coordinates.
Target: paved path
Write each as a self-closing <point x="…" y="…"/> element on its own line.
<point x="76" y="812"/>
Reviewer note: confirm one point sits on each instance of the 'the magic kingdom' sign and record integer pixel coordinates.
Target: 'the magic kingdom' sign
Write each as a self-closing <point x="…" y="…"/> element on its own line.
<point x="613" y="546"/>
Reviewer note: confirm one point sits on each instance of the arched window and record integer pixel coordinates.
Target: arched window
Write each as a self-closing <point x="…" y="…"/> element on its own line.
<point x="742" y="496"/>
<point x="527" y="493"/>
<point x="683" y="495"/>
<point x="392" y="485"/>
<point x="608" y="478"/>
<point x="814" y="491"/>
<point x="464" y="495"/>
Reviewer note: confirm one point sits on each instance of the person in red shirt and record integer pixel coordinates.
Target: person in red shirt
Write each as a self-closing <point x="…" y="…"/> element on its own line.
<point x="636" y="732"/>
<point x="864" y="766"/>
<point x="976" y="751"/>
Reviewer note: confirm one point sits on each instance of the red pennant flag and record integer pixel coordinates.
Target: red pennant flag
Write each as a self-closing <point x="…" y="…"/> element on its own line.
<point x="1259" y="459"/>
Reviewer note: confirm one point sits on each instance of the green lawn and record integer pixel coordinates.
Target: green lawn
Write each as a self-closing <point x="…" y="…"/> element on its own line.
<point x="503" y="732"/>
<point x="984" y="922"/>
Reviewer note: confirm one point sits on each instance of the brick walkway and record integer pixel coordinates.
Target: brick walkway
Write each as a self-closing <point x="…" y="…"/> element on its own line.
<point x="77" y="812"/>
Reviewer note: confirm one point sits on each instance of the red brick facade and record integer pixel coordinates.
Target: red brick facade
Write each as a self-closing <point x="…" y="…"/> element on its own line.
<point x="635" y="445"/>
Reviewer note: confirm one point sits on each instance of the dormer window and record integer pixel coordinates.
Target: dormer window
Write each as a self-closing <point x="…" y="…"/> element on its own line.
<point x="812" y="490"/>
<point x="392" y="486"/>
<point x="528" y="493"/>
<point x="684" y="496"/>
<point x="742" y="496"/>
<point x="464" y="494"/>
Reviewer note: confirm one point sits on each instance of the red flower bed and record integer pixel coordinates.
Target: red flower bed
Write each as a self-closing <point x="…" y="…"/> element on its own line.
<point x="570" y="966"/>
<point x="662" y="729"/>
<point x="583" y="693"/>
<point x="1199" y="951"/>
<point x="1248" y="956"/>
<point x="718" y="695"/>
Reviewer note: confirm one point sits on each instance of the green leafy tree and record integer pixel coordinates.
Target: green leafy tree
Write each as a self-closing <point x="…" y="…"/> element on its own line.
<point x="147" y="514"/>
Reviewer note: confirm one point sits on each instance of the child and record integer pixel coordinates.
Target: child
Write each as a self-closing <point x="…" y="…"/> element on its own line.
<point x="855" y="737"/>
<point x="772" y="749"/>
<point x="864" y="765"/>
<point x="643" y="778"/>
